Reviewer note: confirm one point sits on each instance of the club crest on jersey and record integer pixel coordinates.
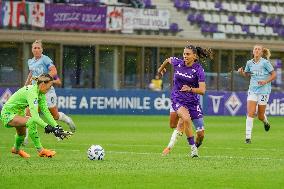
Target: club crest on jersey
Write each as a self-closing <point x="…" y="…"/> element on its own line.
<point x="35" y="102"/>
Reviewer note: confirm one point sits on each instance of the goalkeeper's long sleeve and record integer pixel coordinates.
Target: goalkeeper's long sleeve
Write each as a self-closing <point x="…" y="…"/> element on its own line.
<point x="45" y="111"/>
<point x="33" y="101"/>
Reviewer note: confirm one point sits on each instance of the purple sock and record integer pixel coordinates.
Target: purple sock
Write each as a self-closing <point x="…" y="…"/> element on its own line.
<point x="190" y="140"/>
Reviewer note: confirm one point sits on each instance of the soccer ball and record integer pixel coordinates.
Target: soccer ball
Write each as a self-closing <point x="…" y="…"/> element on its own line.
<point x="96" y="152"/>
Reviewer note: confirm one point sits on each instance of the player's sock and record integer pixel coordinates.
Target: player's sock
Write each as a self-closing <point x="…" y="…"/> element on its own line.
<point x="26" y="140"/>
<point x="249" y="126"/>
<point x="33" y="134"/>
<point x="176" y="134"/>
<point x="190" y="141"/>
<point x="63" y="117"/>
<point x="18" y="141"/>
<point x="194" y="151"/>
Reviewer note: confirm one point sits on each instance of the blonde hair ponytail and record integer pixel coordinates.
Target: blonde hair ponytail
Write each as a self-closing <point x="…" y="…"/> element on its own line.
<point x="266" y="53"/>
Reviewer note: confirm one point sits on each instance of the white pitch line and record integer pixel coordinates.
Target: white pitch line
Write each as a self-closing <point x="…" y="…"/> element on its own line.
<point x="218" y="157"/>
<point x="156" y="153"/>
<point x="182" y="147"/>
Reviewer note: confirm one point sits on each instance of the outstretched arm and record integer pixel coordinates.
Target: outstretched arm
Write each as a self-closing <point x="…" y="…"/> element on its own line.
<point x="162" y="69"/>
<point x="243" y="73"/>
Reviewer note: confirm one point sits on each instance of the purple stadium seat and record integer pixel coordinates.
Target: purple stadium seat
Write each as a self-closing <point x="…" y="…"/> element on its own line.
<point x="178" y="4"/>
<point x="256" y="8"/>
<point x="147" y="3"/>
<point x="191" y="17"/>
<point x="262" y="19"/>
<point x="213" y="28"/>
<point x="277" y="30"/>
<point x="249" y="6"/>
<point x="270" y="21"/>
<point x="186" y="5"/>
<point x="278" y="21"/>
<point x="245" y="28"/>
<point x="174" y="28"/>
<point x="199" y="17"/>
<point x="281" y="33"/>
<point x="205" y="28"/>
<point x="232" y="18"/>
<point x="218" y="5"/>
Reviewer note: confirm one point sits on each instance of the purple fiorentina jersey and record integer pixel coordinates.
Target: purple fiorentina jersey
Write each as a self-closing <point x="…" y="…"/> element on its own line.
<point x="184" y="75"/>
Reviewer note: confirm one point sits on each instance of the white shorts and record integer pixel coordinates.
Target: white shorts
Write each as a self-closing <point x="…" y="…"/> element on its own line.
<point x="51" y="98"/>
<point x="261" y="99"/>
<point x="171" y="109"/>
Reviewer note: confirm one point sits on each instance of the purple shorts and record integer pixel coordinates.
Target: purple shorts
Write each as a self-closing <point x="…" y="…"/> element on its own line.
<point x="195" y="111"/>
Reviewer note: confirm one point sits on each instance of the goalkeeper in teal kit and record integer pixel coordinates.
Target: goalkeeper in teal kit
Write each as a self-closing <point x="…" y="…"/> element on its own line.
<point x="13" y="115"/>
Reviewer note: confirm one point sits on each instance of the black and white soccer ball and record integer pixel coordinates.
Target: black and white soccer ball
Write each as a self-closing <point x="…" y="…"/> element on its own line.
<point x="96" y="152"/>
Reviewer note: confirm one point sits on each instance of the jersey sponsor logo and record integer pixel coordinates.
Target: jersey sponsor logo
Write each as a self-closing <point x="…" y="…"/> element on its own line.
<point x="184" y="75"/>
<point x="36" y="102"/>
<point x="233" y="104"/>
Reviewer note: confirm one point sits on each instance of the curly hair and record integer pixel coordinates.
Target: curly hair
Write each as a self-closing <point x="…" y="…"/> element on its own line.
<point x="202" y="53"/>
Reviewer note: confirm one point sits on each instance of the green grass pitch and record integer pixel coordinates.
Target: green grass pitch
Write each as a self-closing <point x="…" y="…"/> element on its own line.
<point x="133" y="146"/>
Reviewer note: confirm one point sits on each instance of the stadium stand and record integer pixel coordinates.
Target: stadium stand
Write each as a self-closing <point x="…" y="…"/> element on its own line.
<point x="248" y="18"/>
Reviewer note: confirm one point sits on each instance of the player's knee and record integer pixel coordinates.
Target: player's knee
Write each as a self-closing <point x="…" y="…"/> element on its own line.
<point x="55" y="115"/>
<point x="186" y="120"/>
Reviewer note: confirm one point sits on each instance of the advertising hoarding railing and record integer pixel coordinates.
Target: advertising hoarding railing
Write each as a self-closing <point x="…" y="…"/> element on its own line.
<point x="145" y="102"/>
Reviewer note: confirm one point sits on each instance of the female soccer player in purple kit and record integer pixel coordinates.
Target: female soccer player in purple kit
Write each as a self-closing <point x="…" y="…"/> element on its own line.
<point x="189" y="83"/>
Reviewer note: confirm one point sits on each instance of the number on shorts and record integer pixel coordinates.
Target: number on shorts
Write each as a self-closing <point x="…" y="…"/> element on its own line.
<point x="198" y="108"/>
<point x="263" y="98"/>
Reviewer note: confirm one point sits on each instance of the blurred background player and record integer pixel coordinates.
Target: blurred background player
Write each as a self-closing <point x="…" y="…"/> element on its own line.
<point x="13" y="115"/>
<point x="261" y="73"/>
<point x="198" y="82"/>
<point x="189" y="83"/>
<point x="40" y="64"/>
<point x="156" y="83"/>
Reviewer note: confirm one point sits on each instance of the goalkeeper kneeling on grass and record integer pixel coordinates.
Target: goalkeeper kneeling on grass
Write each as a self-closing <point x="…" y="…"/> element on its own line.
<point x="13" y="115"/>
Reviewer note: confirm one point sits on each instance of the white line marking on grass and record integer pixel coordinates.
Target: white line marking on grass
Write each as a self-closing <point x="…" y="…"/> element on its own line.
<point x="181" y="147"/>
<point x="215" y="157"/>
<point x="156" y="153"/>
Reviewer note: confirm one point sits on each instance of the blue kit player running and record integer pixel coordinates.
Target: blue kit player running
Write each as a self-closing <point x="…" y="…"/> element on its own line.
<point x="261" y="73"/>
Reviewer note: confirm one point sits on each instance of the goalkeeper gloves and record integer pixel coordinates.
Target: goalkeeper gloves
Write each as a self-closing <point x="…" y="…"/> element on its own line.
<point x="58" y="132"/>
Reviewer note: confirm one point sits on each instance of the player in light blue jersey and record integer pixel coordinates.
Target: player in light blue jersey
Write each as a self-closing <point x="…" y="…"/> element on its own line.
<point x="38" y="65"/>
<point x="261" y="73"/>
